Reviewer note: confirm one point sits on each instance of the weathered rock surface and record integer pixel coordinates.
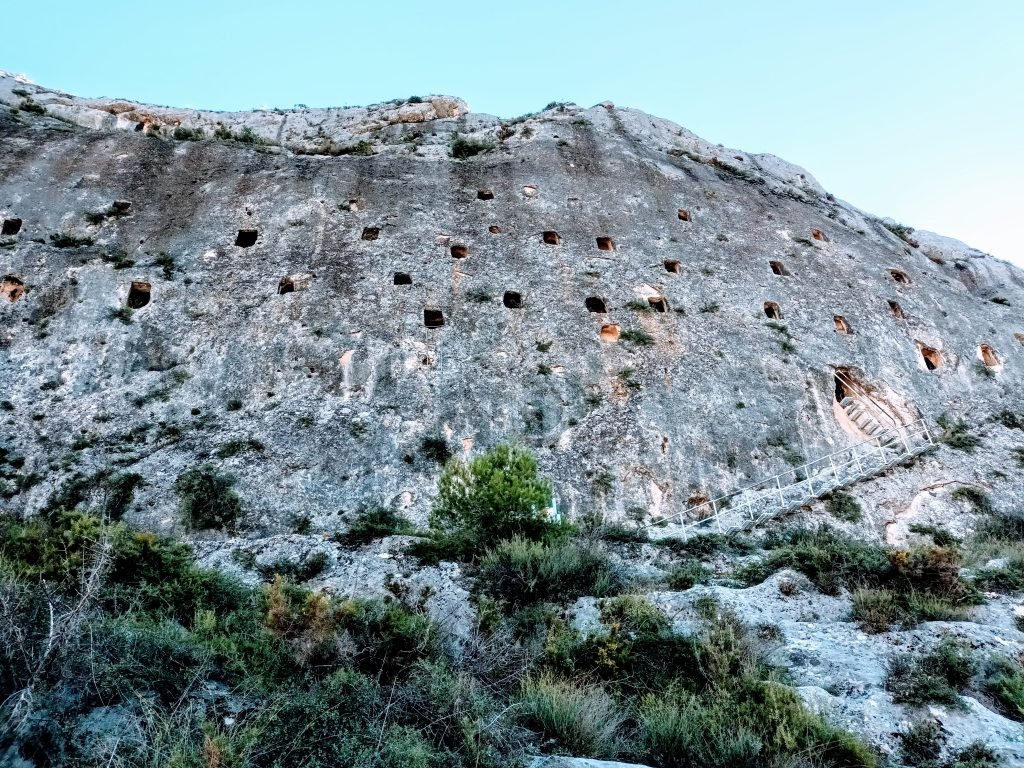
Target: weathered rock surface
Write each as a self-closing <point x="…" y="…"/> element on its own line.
<point x="655" y="315"/>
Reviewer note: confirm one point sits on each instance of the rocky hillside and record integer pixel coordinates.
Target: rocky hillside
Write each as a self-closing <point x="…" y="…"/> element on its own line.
<point x="324" y="305"/>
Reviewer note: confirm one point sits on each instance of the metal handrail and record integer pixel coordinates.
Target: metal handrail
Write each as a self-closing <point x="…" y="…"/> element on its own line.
<point x="768" y="498"/>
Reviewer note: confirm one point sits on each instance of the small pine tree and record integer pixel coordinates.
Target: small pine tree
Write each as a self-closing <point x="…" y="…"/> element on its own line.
<point x="495" y="497"/>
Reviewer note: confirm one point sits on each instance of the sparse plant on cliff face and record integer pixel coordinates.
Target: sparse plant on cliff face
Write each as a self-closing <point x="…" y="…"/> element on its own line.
<point x="123" y="314"/>
<point x="167" y="263"/>
<point x="496" y="496"/>
<point x="65" y="240"/>
<point x="956" y="434"/>
<point x="463" y="147"/>
<point x="902" y="231"/>
<point x="207" y="499"/>
<point x="637" y="336"/>
<point x="843" y="506"/>
<point x="188" y="134"/>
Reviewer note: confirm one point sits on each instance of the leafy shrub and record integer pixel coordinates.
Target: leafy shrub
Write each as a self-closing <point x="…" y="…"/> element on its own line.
<point x="634" y="614"/>
<point x="582" y="719"/>
<point x="497" y="496"/>
<point x="1004" y="682"/>
<point x="296" y="571"/>
<point x="826" y="557"/>
<point x="902" y="231"/>
<point x="977" y="498"/>
<point x="206" y="498"/>
<point x="520" y="571"/>
<point x="31" y="106"/>
<point x="683" y="577"/>
<point x="237" y="446"/>
<point x="922" y="742"/>
<point x="637" y="336"/>
<point x="373" y="523"/>
<point x="936" y="678"/>
<point x="843" y="506"/>
<point x="876" y="609"/>
<point x="188" y="134"/>
<point x="956" y="434"/>
<point x="435" y="449"/>
<point x="463" y="147"/>
<point x="940" y="536"/>
<point x="167" y="263"/>
<point x="65" y="240"/>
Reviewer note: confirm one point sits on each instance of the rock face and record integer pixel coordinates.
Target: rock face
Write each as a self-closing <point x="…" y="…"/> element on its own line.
<point x="303" y="297"/>
<point x="595" y="286"/>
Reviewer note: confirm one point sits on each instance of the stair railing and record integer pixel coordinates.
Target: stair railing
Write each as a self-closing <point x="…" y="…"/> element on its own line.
<point x="799" y="485"/>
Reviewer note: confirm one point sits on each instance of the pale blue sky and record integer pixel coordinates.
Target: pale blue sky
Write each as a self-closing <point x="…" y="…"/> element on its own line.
<point x="910" y="109"/>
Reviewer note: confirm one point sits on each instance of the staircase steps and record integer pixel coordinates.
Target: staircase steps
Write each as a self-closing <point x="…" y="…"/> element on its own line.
<point x="755" y="504"/>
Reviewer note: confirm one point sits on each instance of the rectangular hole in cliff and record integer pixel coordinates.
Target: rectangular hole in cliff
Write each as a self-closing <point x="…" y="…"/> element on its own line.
<point x="433" y="318"/>
<point x="11" y="226"/>
<point x="138" y="294"/>
<point x="817" y="234"/>
<point x="931" y="357"/>
<point x="596" y="304"/>
<point x="841" y="325"/>
<point x="371" y="233"/>
<point x="989" y="356"/>
<point x="459" y="251"/>
<point x="513" y="300"/>
<point x="672" y="265"/>
<point x="658" y="303"/>
<point x="403" y="278"/>
<point x="896" y="310"/>
<point x="287" y="285"/>
<point x="610" y="332"/>
<point x="12" y="288"/>
<point x="246" y="238"/>
<point x="772" y="311"/>
<point x="495" y="230"/>
<point x="900" y="277"/>
<point x="777" y="268"/>
<point x="551" y="238"/>
<point x="605" y="244"/>
<point x="684" y="215"/>
<point x="484" y="194"/>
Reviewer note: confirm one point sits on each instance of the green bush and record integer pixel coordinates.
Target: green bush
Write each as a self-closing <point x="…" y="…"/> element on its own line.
<point x="463" y="147"/>
<point x="207" y="499"/>
<point x="637" y="336"/>
<point x="521" y="572"/>
<point x="435" y="449"/>
<point x="922" y="743"/>
<point x="582" y="719"/>
<point x="843" y="506"/>
<point x="935" y="678"/>
<point x="956" y="434"/>
<point x="235" y="447"/>
<point x="121" y="314"/>
<point x="497" y="496"/>
<point x="373" y="523"/>
<point x="1004" y="682"/>
<point x="683" y="577"/>
<point x="65" y="240"/>
<point x="976" y="498"/>
<point x="827" y="558"/>
<point x="187" y="134"/>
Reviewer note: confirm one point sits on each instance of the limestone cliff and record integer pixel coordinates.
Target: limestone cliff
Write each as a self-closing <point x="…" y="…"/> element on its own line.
<point x="661" y="319"/>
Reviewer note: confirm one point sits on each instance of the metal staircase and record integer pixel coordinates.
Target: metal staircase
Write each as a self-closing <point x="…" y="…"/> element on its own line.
<point x="752" y="505"/>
